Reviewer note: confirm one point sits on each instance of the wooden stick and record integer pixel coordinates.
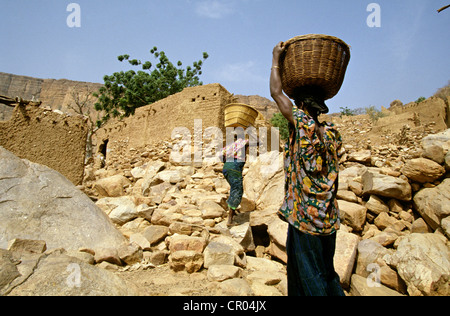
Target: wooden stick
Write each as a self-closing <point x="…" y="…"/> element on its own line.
<point x="8" y="101"/>
<point x="442" y="9"/>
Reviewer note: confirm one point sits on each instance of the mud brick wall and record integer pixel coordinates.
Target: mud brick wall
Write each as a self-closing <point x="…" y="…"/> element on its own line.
<point x="154" y="123"/>
<point x="47" y="137"/>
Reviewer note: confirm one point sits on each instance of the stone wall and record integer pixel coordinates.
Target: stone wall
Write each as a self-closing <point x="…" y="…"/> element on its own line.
<point x="431" y="111"/>
<point x="155" y="123"/>
<point x="47" y="137"/>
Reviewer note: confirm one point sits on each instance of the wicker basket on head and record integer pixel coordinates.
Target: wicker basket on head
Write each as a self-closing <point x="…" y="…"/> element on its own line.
<point x="240" y="115"/>
<point x="316" y="62"/>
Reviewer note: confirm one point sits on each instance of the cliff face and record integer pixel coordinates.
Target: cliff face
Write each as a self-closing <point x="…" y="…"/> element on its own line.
<point x="56" y="94"/>
<point x="25" y="87"/>
<point x="12" y="86"/>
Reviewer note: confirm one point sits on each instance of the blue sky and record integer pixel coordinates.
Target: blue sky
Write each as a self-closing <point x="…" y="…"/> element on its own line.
<point x="406" y="58"/>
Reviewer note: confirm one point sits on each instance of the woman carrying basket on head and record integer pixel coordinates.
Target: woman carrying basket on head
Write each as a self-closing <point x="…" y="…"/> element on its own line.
<point x="310" y="207"/>
<point x="234" y="160"/>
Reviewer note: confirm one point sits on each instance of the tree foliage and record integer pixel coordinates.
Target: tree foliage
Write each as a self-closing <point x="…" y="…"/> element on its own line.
<point x="345" y="111"/>
<point x="278" y="120"/>
<point x="124" y="92"/>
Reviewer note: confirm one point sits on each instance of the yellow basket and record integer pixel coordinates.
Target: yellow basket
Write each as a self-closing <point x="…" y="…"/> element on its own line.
<point x="240" y="115"/>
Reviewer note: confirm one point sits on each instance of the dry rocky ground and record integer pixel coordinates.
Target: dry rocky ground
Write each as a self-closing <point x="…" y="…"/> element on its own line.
<point x="169" y="233"/>
<point x="380" y="177"/>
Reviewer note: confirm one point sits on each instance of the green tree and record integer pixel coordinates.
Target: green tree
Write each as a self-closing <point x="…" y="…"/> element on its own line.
<point x="124" y="92"/>
<point x="374" y="114"/>
<point x="347" y="112"/>
<point x="278" y="120"/>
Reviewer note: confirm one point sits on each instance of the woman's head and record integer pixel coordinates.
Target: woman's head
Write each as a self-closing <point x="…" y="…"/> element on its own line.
<point x="310" y="98"/>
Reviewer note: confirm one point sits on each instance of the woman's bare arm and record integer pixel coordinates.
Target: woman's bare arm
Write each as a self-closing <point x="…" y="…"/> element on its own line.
<point x="276" y="90"/>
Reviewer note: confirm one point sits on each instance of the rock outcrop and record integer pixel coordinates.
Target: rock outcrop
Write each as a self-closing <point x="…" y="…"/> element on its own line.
<point x="39" y="203"/>
<point x="26" y="271"/>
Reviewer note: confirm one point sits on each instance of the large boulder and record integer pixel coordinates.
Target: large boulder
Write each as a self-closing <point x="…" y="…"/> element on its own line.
<point x="56" y="273"/>
<point x="264" y="181"/>
<point x="362" y="156"/>
<point x="437" y="146"/>
<point x="277" y="230"/>
<point x="119" y="209"/>
<point x="182" y="242"/>
<point x="423" y="262"/>
<point x="385" y="185"/>
<point x="39" y="203"/>
<point x="243" y="234"/>
<point x="433" y="204"/>
<point x="353" y="214"/>
<point x="360" y="287"/>
<point x="113" y="186"/>
<point x="149" y="174"/>
<point x="423" y="170"/>
<point x="217" y="253"/>
<point x="370" y="264"/>
<point x="345" y="255"/>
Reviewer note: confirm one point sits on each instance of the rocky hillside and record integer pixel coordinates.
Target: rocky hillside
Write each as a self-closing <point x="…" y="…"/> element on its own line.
<point x="171" y="217"/>
<point x="144" y="224"/>
<point x="385" y="207"/>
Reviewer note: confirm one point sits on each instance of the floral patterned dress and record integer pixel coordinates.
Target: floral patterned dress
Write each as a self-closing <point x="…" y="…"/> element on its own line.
<point x="312" y="170"/>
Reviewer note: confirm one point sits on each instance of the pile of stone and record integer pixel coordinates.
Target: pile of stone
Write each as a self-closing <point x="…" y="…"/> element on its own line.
<point x="394" y="238"/>
<point x="383" y="204"/>
<point x="401" y="211"/>
<point x="185" y="229"/>
<point x="177" y="215"/>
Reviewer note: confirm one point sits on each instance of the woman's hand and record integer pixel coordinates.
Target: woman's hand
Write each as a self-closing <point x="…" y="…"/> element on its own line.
<point x="277" y="51"/>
